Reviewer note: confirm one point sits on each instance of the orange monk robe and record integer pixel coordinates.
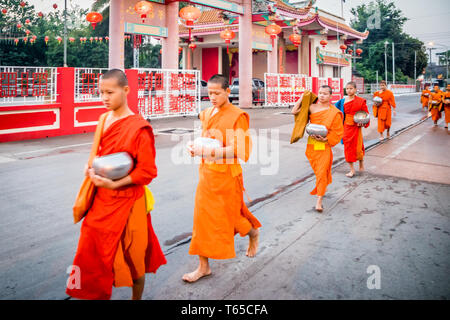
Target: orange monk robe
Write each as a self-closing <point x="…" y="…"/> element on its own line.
<point x="322" y="160"/>
<point x="424" y="99"/>
<point x="384" y="110"/>
<point x="447" y="107"/>
<point x="353" y="139"/>
<point x="435" y="109"/>
<point x="117" y="243"/>
<point x="220" y="211"/>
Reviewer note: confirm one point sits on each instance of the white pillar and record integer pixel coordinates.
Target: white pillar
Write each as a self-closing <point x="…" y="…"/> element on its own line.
<point x="116" y="35"/>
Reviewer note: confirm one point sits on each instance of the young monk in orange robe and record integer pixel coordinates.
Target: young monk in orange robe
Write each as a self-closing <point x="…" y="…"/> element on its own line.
<point x="117" y="244"/>
<point x="436" y="109"/>
<point x="425" y="97"/>
<point x="447" y="106"/>
<point x="318" y="149"/>
<point x="220" y="211"/>
<point x="353" y="139"/>
<point x="384" y="110"/>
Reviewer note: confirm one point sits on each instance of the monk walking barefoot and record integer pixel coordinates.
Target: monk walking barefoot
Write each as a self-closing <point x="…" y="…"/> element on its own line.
<point x="117" y="244"/>
<point x="220" y="211"/>
<point x="384" y="110"/>
<point x="436" y="104"/>
<point x="318" y="149"/>
<point x="353" y="138"/>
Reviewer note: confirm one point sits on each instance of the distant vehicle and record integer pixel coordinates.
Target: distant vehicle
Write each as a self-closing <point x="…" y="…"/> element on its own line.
<point x="258" y="88"/>
<point x="204" y="90"/>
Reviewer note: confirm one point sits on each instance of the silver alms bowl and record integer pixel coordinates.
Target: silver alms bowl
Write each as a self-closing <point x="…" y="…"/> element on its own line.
<point x="113" y="166"/>
<point x="316" y="130"/>
<point x="361" y="117"/>
<point x="207" y="143"/>
<point x="378" y="101"/>
<point x="435" y="102"/>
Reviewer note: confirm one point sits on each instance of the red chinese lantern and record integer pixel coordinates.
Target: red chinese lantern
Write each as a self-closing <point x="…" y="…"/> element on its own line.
<point x="27" y="32"/>
<point x="55" y="6"/>
<point x="227" y="35"/>
<point x="359" y="51"/>
<point x="59" y="39"/>
<point x="71" y="39"/>
<point x="27" y="21"/>
<point x="350" y="51"/>
<point x="192" y="46"/>
<point x="273" y="30"/>
<point x="142" y="8"/>
<point x="343" y="48"/>
<point x="19" y="26"/>
<point x="323" y="43"/>
<point x="107" y="38"/>
<point x="40" y="14"/>
<point x="4" y="11"/>
<point x="91" y="39"/>
<point x="100" y="39"/>
<point x="32" y="40"/>
<point x="94" y="18"/>
<point x="180" y="50"/>
<point x="160" y="51"/>
<point x="34" y="37"/>
<point x="16" y="41"/>
<point x="190" y="14"/>
<point x="295" y="38"/>
<point x="46" y="39"/>
<point x="23" y="4"/>
<point x="25" y="39"/>
<point x="96" y="39"/>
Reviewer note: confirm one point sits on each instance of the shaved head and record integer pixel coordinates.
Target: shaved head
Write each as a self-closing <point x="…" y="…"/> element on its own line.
<point x="117" y="74"/>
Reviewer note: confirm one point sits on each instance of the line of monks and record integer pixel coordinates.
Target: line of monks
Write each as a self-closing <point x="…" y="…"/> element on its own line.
<point x="117" y="244"/>
<point x="436" y="102"/>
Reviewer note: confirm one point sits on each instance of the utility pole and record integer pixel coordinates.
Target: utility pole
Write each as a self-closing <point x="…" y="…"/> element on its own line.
<point x="415" y="66"/>
<point x="393" y="63"/>
<point x="385" y="61"/>
<point x="65" y="33"/>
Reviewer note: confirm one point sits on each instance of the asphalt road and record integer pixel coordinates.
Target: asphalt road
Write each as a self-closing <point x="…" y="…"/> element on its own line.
<point x="40" y="178"/>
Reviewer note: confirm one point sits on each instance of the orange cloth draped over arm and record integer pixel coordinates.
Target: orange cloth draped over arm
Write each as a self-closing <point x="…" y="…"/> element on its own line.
<point x="114" y="216"/>
<point x="322" y="160"/>
<point x="220" y="211"/>
<point x="353" y="139"/>
<point x="384" y="110"/>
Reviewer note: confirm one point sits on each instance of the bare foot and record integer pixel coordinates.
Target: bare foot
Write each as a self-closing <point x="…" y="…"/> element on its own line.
<point x="253" y="240"/>
<point x="350" y="174"/>
<point x="195" y="275"/>
<point x="319" y="209"/>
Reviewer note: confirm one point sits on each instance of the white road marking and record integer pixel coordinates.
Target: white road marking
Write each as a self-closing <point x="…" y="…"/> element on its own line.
<point x="56" y="148"/>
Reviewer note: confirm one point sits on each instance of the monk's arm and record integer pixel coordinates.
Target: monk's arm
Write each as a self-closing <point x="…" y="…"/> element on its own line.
<point x="297" y="106"/>
<point x="336" y="131"/>
<point x="366" y="109"/>
<point x="240" y="142"/>
<point x="145" y="170"/>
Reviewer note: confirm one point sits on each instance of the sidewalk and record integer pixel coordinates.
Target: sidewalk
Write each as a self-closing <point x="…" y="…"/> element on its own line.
<point x="393" y="218"/>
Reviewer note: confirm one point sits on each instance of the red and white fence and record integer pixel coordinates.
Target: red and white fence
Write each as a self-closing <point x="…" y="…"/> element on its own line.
<point x="39" y="102"/>
<point x="402" y="88"/>
<point x="168" y="93"/>
<point x="285" y="89"/>
<point x="27" y="85"/>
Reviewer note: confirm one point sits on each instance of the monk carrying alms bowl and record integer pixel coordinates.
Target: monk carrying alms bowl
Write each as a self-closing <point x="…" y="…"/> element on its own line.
<point x="361" y="117"/>
<point x="113" y="166"/>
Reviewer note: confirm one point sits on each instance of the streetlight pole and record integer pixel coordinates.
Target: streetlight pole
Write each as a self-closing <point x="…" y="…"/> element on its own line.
<point x="385" y="61"/>
<point x="393" y="63"/>
<point x="65" y="33"/>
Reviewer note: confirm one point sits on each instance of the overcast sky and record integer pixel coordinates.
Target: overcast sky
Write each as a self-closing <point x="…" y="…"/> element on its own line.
<point x="428" y="19"/>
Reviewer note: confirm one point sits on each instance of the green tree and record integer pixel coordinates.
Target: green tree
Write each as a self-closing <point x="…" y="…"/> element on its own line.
<point x="388" y="28"/>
